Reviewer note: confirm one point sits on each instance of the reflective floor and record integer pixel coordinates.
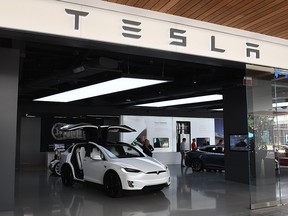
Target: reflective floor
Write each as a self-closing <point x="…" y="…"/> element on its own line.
<point x="205" y="193"/>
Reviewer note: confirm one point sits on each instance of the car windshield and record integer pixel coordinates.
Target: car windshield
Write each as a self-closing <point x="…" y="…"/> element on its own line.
<point x="122" y="151"/>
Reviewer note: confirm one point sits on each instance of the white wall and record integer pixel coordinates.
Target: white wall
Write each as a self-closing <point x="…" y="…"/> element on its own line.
<point x="168" y="157"/>
<point x="156" y="127"/>
<point x="200" y="127"/>
<point x="166" y="127"/>
<point x="30" y="142"/>
<point x="9" y="69"/>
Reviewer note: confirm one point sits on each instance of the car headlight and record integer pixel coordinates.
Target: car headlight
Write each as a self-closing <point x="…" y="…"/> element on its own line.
<point x="130" y="170"/>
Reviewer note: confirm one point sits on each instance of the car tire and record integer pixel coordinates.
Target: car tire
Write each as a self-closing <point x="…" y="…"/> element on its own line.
<point x="197" y="165"/>
<point x="187" y="163"/>
<point x="51" y="168"/>
<point x="57" y="169"/>
<point x="67" y="175"/>
<point x="112" y="184"/>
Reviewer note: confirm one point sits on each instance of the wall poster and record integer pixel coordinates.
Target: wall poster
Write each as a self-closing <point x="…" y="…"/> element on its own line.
<point x="161" y="142"/>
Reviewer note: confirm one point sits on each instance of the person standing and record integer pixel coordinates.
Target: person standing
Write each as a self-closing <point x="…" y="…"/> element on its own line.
<point x="182" y="151"/>
<point x="193" y="145"/>
<point x="148" y="148"/>
<point x="220" y="143"/>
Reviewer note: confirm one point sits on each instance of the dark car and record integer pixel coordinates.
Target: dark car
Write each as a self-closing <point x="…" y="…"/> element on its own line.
<point x="209" y="157"/>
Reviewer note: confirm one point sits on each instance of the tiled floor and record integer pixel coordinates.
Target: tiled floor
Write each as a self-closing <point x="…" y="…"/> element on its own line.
<point x="193" y="194"/>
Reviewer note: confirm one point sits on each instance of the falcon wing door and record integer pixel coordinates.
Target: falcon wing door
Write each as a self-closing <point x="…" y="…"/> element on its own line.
<point x="98" y="134"/>
<point x="92" y="132"/>
<point x="70" y="127"/>
<point x="121" y="128"/>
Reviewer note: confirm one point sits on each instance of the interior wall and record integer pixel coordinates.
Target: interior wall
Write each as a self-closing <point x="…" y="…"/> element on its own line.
<point x="30" y="142"/>
<point x="114" y="137"/>
<point x="203" y="127"/>
<point x="166" y="127"/>
<point x="9" y="70"/>
<point x="235" y="122"/>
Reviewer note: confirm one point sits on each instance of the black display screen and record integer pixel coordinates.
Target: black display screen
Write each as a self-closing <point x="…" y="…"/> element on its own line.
<point x="238" y="142"/>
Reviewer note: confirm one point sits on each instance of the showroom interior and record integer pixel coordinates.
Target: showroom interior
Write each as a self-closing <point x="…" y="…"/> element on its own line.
<point x="37" y="64"/>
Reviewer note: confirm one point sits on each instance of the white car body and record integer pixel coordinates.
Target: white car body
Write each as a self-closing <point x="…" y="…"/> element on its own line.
<point x="135" y="170"/>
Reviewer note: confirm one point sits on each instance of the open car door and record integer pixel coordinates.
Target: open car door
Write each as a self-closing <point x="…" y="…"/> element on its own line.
<point x="97" y="133"/>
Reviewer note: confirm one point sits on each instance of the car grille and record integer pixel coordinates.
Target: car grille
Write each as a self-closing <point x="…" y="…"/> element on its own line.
<point x="155" y="187"/>
<point x="156" y="172"/>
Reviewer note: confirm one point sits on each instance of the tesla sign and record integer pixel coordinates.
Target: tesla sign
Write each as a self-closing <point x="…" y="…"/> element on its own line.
<point x="132" y="29"/>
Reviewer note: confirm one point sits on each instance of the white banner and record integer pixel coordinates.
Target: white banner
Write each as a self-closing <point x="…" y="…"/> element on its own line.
<point x="97" y="21"/>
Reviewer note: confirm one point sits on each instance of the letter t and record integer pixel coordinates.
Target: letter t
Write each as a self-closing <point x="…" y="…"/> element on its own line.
<point x="77" y="14"/>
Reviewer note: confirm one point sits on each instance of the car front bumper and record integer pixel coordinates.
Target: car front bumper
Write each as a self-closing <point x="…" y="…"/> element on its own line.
<point x="139" y="181"/>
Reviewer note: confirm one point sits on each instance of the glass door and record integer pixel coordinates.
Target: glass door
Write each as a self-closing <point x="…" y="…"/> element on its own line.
<point x="264" y="178"/>
<point x="280" y="127"/>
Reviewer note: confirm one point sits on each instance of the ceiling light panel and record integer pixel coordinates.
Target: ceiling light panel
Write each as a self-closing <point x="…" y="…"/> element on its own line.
<point x="108" y="87"/>
<point x="220" y="109"/>
<point x="182" y="101"/>
<point x="281" y="104"/>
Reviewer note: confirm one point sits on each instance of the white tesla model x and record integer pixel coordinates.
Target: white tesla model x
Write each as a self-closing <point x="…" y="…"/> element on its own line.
<point x="117" y="166"/>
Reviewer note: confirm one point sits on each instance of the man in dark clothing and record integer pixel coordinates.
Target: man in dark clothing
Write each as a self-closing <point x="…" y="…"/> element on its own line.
<point x="147" y="148"/>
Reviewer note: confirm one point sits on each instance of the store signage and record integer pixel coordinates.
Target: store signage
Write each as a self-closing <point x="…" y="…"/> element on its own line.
<point x="132" y="30"/>
<point x="59" y="134"/>
<point x="129" y="26"/>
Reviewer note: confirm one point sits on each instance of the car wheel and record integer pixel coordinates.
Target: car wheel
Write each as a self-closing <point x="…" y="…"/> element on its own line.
<point x="187" y="163"/>
<point x="67" y="176"/>
<point x="196" y="165"/>
<point x="112" y="184"/>
<point x="51" y="168"/>
<point x="57" y="169"/>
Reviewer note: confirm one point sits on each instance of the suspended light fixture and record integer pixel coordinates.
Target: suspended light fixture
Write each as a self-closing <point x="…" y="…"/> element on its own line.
<point x="220" y="109"/>
<point x="107" y="87"/>
<point x="182" y="101"/>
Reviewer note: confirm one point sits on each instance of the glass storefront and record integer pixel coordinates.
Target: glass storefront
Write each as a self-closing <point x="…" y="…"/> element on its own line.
<point x="280" y="128"/>
<point x="267" y="93"/>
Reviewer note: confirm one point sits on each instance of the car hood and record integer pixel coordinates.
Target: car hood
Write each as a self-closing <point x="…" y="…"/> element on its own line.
<point x="144" y="164"/>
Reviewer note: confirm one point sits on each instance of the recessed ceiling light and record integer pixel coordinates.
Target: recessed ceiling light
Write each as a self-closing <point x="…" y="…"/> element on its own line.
<point x="108" y="87"/>
<point x="182" y="101"/>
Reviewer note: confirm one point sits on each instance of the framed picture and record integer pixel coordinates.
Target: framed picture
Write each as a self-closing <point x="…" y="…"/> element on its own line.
<point x="203" y="141"/>
<point x="238" y="142"/>
<point x="160" y="142"/>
